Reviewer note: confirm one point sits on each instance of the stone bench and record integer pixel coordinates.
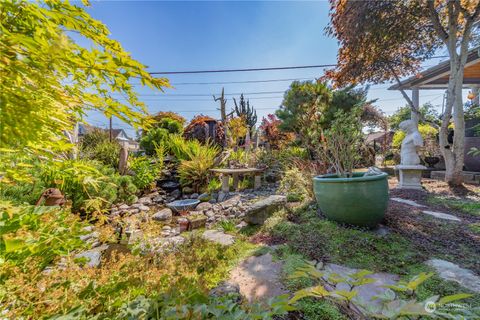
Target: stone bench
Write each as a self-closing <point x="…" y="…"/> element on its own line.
<point x="235" y="173"/>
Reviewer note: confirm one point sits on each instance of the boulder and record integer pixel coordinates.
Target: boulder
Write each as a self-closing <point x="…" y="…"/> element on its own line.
<point x="222" y="196"/>
<point x="143" y="208"/>
<point x="145" y="200"/>
<point x="163" y="215"/>
<point x="187" y="190"/>
<point x="93" y="256"/>
<point x="203" y="206"/>
<point x="194" y="196"/>
<point x="259" y="211"/>
<point x="176" y="194"/>
<point x="196" y="221"/>
<point x="158" y="199"/>
<point x="204" y="197"/>
<point x="233" y="201"/>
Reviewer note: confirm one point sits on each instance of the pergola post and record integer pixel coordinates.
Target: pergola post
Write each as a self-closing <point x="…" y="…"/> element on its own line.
<point x="416" y="103"/>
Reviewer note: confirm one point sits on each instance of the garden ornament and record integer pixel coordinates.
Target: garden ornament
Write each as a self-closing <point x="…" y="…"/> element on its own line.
<point x="410" y="170"/>
<point x="52" y="197"/>
<point x="372" y="171"/>
<point x="410" y="144"/>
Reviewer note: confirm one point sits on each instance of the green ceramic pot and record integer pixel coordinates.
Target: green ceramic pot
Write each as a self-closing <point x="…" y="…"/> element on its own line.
<point x="360" y="201"/>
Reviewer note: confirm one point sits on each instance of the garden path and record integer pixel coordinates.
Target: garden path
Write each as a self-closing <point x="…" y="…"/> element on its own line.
<point x="259" y="278"/>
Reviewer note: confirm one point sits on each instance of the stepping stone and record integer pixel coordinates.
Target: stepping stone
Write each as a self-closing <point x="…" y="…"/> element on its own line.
<point x="365" y="298"/>
<point x="259" y="278"/>
<point x="452" y="272"/>
<point x="441" y="215"/>
<point x="409" y="202"/>
<point x="219" y="237"/>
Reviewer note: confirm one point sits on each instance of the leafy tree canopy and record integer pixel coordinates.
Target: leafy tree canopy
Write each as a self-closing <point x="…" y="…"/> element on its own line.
<point x="309" y="101"/>
<point x="428" y="112"/>
<point x="159" y="116"/>
<point x="48" y="81"/>
<point x="380" y="40"/>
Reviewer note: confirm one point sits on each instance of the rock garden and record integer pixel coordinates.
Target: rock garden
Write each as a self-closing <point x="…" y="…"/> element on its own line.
<point x="295" y="216"/>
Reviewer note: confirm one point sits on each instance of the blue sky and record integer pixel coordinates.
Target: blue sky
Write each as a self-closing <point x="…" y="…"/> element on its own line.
<point x="178" y="36"/>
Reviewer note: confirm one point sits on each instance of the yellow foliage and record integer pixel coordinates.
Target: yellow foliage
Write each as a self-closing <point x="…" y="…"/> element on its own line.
<point x="426" y="130"/>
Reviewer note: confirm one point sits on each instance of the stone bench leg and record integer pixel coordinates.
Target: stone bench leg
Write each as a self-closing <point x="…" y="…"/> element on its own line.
<point x="235" y="182"/>
<point x="258" y="182"/>
<point x="225" y="181"/>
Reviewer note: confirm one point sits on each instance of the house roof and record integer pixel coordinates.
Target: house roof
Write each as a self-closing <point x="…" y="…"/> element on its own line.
<point x="377" y="135"/>
<point x="437" y="76"/>
<point x="118" y="134"/>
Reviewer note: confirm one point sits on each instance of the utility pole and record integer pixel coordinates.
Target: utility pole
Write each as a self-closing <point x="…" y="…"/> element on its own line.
<point x="223" y="113"/>
<point x="223" y="106"/>
<point x="111" y="133"/>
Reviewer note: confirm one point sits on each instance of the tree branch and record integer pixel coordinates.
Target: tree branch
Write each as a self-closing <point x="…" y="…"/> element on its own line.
<point x="436" y="22"/>
<point x="404" y="94"/>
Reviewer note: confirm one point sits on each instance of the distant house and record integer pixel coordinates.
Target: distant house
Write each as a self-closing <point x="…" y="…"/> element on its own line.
<point x="381" y="140"/>
<point x="117" y="134"/>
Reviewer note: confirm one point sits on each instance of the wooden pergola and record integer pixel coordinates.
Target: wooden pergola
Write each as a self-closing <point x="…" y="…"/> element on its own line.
<point x="436" y="78"/>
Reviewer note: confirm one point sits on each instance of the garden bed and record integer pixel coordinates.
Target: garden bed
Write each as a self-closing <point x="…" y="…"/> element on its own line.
<point x="401" y="246"/>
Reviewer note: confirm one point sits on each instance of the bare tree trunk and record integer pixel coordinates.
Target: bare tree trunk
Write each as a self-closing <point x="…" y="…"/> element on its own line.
<point x="454" y="154"/>
<point x="224" y="116"/>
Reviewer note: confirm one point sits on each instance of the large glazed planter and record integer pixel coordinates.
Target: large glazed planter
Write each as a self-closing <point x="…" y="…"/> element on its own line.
<point x="361" y="201"/>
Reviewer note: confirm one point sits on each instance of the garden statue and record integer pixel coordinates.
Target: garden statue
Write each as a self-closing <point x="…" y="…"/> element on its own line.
<point x="410" y="170"/>
<point x="412" y="141"/>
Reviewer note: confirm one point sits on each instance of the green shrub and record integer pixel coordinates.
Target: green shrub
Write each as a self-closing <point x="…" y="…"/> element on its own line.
<point x="96" y="145"/>
<point x="195" y="173"/>
<point x="159" y="134"/>
<point x="36" y="234"/>
<point x="171" y="125"/>
<point x="184" y="149"/>
<point x="313" y="309"/>
<point x="239" y="157"/>
<point x="214" y="185"/>
<point x="144" y="172"/>
<point x="227" y="225"/>
<point x="86" y="183"/>
<point x="21" y="192"/>
<point x="296" y="184"/>
<point x="126" y="189"/>
<point x="156" y="136"/>
<point x="295" y="197"/>
<point x="196" y="160"/>
<point x="426" y="130"/>
<point x="172" y="281"/>
<point x="89" y="185"/>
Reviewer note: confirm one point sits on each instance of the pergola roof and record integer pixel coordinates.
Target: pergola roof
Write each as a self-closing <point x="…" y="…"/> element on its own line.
<point x="437" y="77"/>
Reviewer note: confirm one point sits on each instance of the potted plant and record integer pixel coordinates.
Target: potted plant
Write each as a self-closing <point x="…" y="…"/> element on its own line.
<point x="347" y="196"/>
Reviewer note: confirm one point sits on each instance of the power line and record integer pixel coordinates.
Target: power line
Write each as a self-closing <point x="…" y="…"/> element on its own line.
<point x="244" y="70"/>
<point x="216" y="110"/>
<point x="254" y="98"/>
<point x="236" y="82"/>
<point x="206" y="94"/>
<point x="256" y="69"/>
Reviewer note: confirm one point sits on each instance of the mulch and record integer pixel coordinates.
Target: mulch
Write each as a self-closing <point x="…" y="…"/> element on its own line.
<point x="433" y="237"/>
